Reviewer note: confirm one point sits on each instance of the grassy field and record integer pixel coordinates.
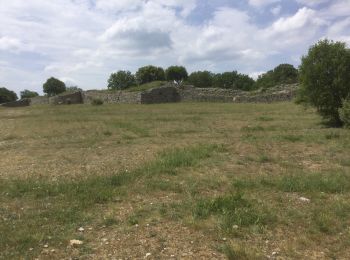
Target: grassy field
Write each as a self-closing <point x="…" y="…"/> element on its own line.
<point x="181" y="181"/>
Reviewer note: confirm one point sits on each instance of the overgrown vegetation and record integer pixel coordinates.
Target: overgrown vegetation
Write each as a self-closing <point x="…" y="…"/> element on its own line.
<point x="7" y="95"/>
<point x="325" y="78"/>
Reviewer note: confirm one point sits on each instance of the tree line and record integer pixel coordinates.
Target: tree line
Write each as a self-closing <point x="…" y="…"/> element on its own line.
<point x="282" y="74"/>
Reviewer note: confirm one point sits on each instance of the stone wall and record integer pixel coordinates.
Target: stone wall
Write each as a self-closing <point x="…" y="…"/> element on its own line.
<point x="173" y="93"/>
<point x="277" y="94"/>
<point x="166" y="94"/>
<point x="19" y="103"/>
<point x="39" y="100"/>
<point x="192" y="94"/>
<point x="112" y="97"/>
<point x="67" y="99"/>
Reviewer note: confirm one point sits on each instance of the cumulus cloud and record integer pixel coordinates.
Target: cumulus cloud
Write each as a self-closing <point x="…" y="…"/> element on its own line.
<point x="85" y="40"/>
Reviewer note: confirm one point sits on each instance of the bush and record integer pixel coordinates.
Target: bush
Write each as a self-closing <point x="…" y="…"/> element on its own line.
<point x="325" y="78"/>
<point x="97" y="102"/>
<point x="28" y="94"/>
<point x="149" y="73"/>
<point x="7" y="95"/>
<point x="201" y="79"/>
<point x="282" y="74"/>
<point x="73" y="89"/>
<point x="344" y="112"/>
<point x="233" y="80"/>
<point x="121" y="80"/>
<point x="54" y="87"/>
<point x="176" y="73"/>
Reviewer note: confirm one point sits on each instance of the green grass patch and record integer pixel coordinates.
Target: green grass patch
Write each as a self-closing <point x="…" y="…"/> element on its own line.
<point x="59" y="208"/>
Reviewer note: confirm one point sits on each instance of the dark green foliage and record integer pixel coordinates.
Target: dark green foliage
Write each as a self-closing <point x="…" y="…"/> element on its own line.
<point x="344" y="112"/>
<point x="325" y="78"/>
<point x="54" y="87"/>
<point x="149" y="73"/>
<point x="97" y="102"/>
<point x="73" y="89"/>
<point x="233" y="80"/>
<point x="177" y="73"/>
<point x="121" y="80"/>
<point x="28" y="94"/>
<point x="201" y="79"/>
<point x="7" y="95"/>
<point x="282" y="74"/>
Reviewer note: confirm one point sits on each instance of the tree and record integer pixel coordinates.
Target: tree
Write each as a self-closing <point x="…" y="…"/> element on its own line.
<point x="177" y="73"/>
<point x="233" y="80"/>
<point x="28" y="94"/>
<point x="54" y="87"/>
<point x="121" y="80"/>
<point x="282" y="74"/>
<point x="325" y="78"/>
<point x="149" y="73"/>
<point x="7" y="95"/>
<point x="73" y="89"/>
<point x="201" y="79"/>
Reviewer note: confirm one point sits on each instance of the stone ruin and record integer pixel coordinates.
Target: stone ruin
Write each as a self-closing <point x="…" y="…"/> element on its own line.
<point x="168" y="93"/>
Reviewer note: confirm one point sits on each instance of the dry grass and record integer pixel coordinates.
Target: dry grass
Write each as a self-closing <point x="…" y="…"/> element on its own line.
<point x="191" y="181"/>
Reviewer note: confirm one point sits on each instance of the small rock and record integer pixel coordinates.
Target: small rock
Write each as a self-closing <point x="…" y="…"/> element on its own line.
<point x="303" y="199"/>
<point x="75" y="242"/>
<point x="53" y="250"/>
<point x="46" y="246"/>
<point x="274" y="253"/>
<point x="104" y="239"/>
<point x="81" y="229"/>
<point x="31" y="249"/>
<point x="224" y="239"/>
<point x="148" y="254"/>
<point x="235" y="227"/>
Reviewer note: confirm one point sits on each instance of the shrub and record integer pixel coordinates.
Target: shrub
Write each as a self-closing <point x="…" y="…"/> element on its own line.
<point x="7" y="95"/>
<point x="282" y="74"/>
<point x="73" y="89"/>
<point x="344" y="112"/>
<point x="149" y="73"/>
<point x="201" y="79"/>
<point x="121" y="80"/>
<point x="176" y="73"/>
<point x="325" y="78"/>
<point x="233" y="80"/>
<point x="54" y="87"/>
<point x="97" y="102"/>
<point x="28" y="94"/>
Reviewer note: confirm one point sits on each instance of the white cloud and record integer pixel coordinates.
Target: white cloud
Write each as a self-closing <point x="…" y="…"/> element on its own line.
<point x="85" y="40"/>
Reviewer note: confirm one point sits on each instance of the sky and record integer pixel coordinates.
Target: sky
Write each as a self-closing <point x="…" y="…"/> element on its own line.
<point x="82" y="42"/>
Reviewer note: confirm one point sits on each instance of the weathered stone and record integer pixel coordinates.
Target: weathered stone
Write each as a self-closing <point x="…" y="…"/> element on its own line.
<point x="19" y="103"/>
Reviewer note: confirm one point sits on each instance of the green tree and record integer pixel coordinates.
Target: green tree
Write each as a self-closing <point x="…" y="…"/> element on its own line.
<point x="28" y="94"/>
<point x="121" y="80"/>
<point x="7" y="95"/>
<point x="73" y="89"/>
<point x="233" y="80"/>
<point x="201" y="79"/>
<point x="54" y="87"/>
<point x="325" y="78"/>
<point x="177" y="73"/>
<point x="149" y="73"/>
<point x="282" y="74"/>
